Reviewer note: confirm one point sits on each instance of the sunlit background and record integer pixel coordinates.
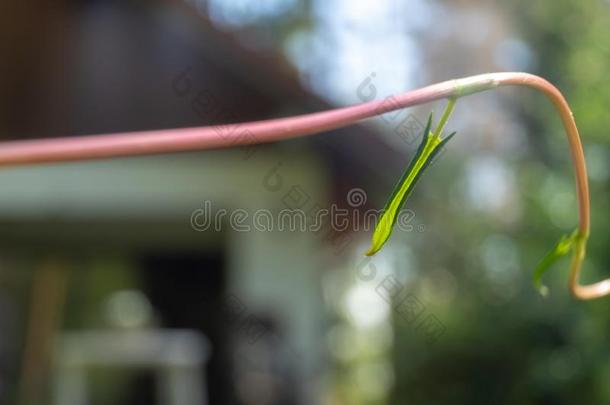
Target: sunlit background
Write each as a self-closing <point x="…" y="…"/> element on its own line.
<point x="113" y="292"/>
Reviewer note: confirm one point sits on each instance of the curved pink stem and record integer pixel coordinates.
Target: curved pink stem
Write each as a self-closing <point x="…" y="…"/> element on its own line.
<point x="174" y="140"/>
<point x="185" y="139"/>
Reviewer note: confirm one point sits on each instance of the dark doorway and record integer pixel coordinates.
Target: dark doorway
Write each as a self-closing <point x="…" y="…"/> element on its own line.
<point x="187" y="291"/>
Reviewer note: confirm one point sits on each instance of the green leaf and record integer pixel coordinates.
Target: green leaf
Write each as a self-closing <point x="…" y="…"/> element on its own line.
<point x="563" y="247"/>
<point x="429" y="147"/>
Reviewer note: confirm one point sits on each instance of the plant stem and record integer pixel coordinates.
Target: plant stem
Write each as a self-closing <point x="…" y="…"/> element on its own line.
<point x="174" y="140"/>
<point x="445" y="117"/>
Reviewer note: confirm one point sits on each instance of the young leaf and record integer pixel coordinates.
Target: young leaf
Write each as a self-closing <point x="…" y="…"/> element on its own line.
<point x="563" y="247"/>
<point x="429" y="147"/>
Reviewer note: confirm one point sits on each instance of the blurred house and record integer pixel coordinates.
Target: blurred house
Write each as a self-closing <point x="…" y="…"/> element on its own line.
<point x="87" y="67"/>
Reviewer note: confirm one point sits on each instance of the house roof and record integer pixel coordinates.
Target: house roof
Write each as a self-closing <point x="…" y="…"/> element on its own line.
<point x="355" y="152"/>
<point x="109" y="67"/>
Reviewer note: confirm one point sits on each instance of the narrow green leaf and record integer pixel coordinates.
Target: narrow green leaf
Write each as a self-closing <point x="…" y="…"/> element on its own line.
<point x="409" y="169"/>
<point x="429" y="147"/>
<point x="563" y="247"/>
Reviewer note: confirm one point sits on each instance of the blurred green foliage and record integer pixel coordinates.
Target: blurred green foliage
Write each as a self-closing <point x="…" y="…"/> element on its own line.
<point x="504" y="343"/>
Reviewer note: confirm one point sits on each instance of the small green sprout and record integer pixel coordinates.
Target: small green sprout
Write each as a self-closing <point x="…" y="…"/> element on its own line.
<point x="562" y="248"/>
<point x="430" y="146"/>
